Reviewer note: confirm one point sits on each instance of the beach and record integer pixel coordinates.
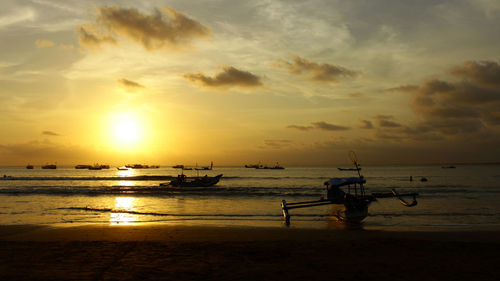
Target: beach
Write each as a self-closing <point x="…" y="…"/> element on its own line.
<point x="176" y="252"/>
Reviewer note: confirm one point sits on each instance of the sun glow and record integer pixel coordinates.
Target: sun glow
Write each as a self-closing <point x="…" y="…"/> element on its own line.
<point x="127" y="130"/>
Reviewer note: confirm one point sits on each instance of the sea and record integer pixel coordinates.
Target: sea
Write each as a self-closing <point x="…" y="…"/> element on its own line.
<point x="465" y="197"/>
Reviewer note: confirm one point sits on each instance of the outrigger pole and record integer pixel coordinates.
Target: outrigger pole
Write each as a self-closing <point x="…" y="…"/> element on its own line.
<point x="304" y="204"/>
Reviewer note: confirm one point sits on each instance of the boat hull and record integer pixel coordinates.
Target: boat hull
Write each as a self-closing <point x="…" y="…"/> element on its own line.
<point x="194" y="182"/>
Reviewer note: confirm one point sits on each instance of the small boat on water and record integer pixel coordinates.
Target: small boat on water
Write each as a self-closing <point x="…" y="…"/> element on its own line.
<point x="254" y="166"/>
<point x="122" y="168"/>
<point x="205" y="168"/>
<point x="82" y="166"/>
<point x="351" y="205"/>
<point x="349" y="169"/>
<point x="260" y="166"/>
<point x="95" y="167"/>
<point x="29" y="166"/>
<point x="184" y="181"/>
<point x="49" y="166"/>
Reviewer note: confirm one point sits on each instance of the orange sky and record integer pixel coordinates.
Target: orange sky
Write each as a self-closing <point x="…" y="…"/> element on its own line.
<point x="238" y="82"/>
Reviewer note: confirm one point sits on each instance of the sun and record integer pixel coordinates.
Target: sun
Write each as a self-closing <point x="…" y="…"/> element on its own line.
<point x="127" y="129"/>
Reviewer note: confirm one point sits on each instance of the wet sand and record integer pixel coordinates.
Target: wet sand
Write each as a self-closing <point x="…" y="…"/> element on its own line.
<point x="161" y="252"/>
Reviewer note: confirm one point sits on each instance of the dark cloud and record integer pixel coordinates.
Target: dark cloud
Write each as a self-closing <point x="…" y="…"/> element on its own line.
<point x="229" y="77"/>
<point x="50" y="133"/>
<point x="387" y="121"/>
<point x="131" y="85"/>
<point x="366" y="124"/>
<point x="329" y="127"/>
<point x="468" y="105"/>
<point x="90" y="38"/>
<point x="321" y="72"/>
<point x="276" y="144"/>
<point x="320" y="125"/>
<point x="164" y="27"/>
<point x="300" y="128"/>
<point x="486" y="73"/>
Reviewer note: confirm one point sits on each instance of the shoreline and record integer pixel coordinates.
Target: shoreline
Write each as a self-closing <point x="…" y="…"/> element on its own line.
<point x="165" y="252"/>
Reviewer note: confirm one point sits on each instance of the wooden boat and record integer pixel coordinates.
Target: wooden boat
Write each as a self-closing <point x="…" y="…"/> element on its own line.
<point x="183" y="181"/>
<point x="205" y="168"/>
<point x="349" y="169"/>
<point x="49" y="166"/>
<point x="95" y="167"/>
<point x="351" y="205"/>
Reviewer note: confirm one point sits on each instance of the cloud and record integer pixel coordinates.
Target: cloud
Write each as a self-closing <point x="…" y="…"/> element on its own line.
<point x="164" y="27"/>
<point x="320" y="125"/>
<point x="319" y="72"/>
<point x="229" y="77"/>
<point x="329" y="127"/>
<point x="468" y="105"/>
<point x="44" y="43"/>
<point x="386" y="121"/>
<point x="276" y="144"/>
<point x="485" y="73"/>
<point x="300" y="128"/>
<point x="50" y="133"/>
<point x="130" y="85"/>
<point x="366" y="124"/>
<point x="90" y="38"/>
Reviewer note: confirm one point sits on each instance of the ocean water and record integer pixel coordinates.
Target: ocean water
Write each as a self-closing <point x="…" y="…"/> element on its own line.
<point x="463" y="198"/>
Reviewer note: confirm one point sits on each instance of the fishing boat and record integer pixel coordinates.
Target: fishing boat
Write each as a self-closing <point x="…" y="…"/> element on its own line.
<point x="349" y="169"/>
<point x="82" y="166"/>
<point x="351" y="205"/>
<point x="122" y="168"/>
<point x="205" y="168"/>
<point x="29" y="166"/>
<point x="49" y="166"/>
<point x="255" y="166"/>
<point x="95" y="167"/>
<point x="275" y="167"/>
<point x="184" y="181"/>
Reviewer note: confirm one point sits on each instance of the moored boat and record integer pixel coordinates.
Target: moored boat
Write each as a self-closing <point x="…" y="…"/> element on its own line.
<point x="49" y="166"/>
<point x="351" y="205"/>
<point x="184" y="181"/>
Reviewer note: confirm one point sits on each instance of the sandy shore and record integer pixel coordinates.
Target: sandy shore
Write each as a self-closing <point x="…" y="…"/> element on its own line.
<point x="160" y="252"/>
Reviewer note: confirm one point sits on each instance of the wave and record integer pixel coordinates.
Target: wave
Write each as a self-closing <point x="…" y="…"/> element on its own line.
<point x="122" y="211"/>
<point x="93" y="178"/>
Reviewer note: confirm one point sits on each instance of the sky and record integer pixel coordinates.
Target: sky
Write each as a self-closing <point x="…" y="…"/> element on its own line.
<point x="241" y="82"/>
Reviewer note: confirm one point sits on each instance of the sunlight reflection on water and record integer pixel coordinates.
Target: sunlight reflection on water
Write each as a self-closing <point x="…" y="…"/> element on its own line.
<point x="126" y="204"/>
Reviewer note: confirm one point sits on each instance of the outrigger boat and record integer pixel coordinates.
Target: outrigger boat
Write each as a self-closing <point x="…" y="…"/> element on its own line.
<point x="353" y="204"/>
<point x="184" y="181"/>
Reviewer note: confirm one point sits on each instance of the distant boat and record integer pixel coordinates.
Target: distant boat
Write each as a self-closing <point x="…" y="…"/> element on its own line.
<point x="275" y="167"/>
<point x="255" y="166"/>
<point x="183" y="181"/>
<point x="81" y="166"/>
<point x="29" y="166"/>
<point x="49" y="166"/>
<point x="349" y="169"/>
<point x="141" y="166"/>
<point x="205" y="168"/>
<point x="122" y="168"/>
<point x="448" y="167"/>
<point x="178" y="167"/>
<point x="95" y="167"/>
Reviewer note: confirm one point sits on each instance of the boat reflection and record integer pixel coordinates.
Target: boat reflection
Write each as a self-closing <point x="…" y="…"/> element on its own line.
<point x="127" y="217"/>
